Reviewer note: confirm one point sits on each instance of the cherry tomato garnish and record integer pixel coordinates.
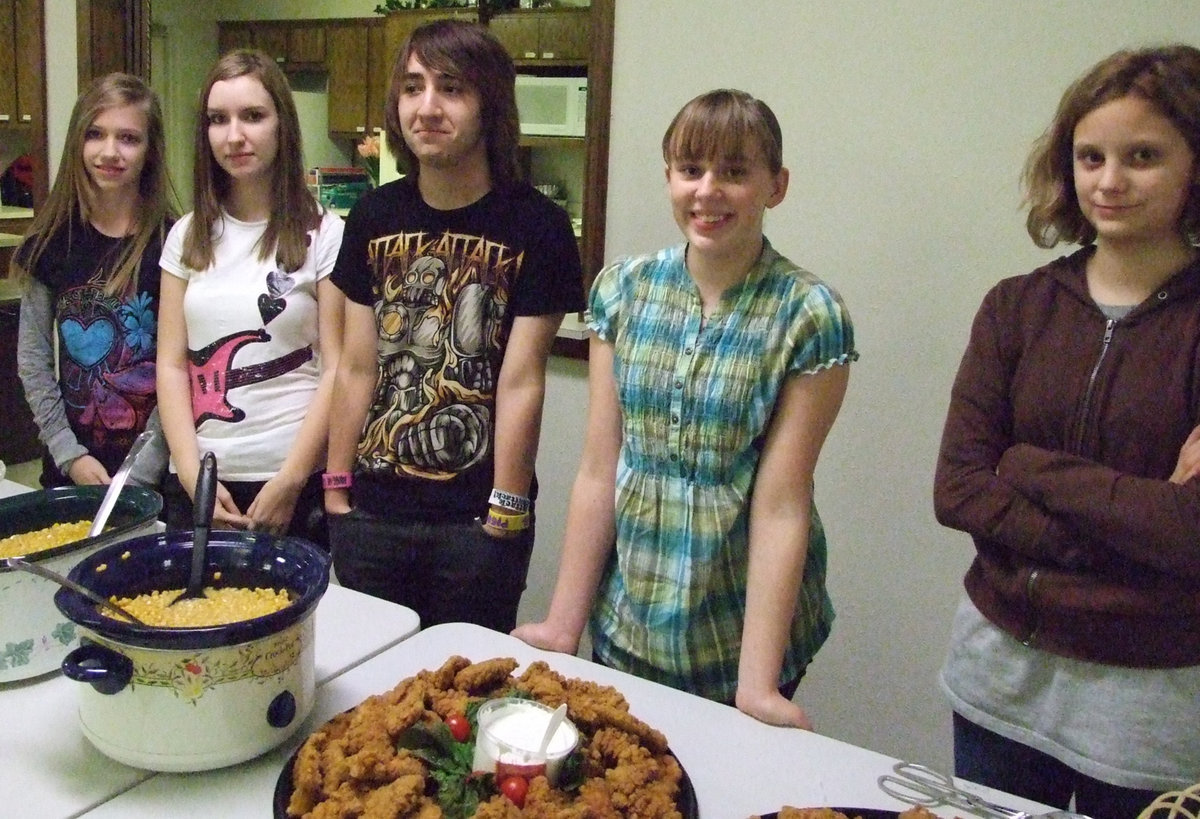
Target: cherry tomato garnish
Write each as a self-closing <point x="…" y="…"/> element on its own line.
<point x="515" y="788"/>
<point x="459" y="727"/>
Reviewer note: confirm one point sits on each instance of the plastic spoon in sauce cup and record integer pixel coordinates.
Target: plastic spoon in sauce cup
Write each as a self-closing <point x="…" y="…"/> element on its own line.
<point x="556" y="719"/>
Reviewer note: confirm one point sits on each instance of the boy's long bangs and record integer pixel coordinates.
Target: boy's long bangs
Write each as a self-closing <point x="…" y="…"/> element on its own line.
<point x="443" y="50"/>
<point x="712" y="134"/>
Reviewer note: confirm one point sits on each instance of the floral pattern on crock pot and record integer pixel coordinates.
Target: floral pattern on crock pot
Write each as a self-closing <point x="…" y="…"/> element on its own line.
<point x="16" y="654"/>
<point x="21" y="653"/>
<point x="191" y="677"/>
<point x="64" y="633"/>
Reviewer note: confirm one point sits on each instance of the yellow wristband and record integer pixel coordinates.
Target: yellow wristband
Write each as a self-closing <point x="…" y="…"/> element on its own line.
<point x="509" y="523"/>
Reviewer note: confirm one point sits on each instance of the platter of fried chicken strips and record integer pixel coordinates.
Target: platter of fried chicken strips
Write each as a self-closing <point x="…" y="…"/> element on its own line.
<point x="395" y="754"/>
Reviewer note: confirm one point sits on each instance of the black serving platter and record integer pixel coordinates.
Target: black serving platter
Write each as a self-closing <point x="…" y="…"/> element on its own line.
<point x="853" y="813"/>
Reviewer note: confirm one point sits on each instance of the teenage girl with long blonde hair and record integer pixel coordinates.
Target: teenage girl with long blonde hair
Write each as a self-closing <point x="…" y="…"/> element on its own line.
<point x="89" y="265"/>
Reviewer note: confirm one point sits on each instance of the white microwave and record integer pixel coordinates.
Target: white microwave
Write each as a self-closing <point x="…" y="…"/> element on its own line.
<point x="552" y="106"/>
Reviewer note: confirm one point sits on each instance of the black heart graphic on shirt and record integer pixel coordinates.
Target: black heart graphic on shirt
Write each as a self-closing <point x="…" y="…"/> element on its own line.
<point x="269" y="307"/>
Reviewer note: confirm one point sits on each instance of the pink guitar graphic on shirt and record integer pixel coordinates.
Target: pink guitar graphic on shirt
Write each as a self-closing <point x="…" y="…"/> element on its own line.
<point x="212" y="374"/>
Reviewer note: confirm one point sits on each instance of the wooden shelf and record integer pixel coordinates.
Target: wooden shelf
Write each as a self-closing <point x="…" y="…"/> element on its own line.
<point x="538" y="141"/>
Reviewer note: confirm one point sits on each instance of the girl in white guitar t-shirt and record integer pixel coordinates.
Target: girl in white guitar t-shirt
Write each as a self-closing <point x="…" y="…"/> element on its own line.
<point x="250" y="326"/>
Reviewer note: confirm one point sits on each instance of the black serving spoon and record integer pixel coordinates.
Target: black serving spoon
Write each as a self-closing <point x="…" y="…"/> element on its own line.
<point x="203" y="504"/>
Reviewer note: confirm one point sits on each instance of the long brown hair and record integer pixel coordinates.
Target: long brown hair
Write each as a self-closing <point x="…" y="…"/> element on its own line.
<point x="1167" y="77"/>
<point x="72" y="198"/>
<point x="471" y="53"/>
<point x="294" y="211"/>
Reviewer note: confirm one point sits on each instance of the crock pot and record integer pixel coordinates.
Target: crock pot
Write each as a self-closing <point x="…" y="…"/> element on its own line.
<point x="34" y="635"/>
<point x="193" y="699"/>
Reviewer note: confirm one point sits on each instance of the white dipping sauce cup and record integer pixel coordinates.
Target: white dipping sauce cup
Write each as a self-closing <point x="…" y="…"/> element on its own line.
<point x="510" y="733"/>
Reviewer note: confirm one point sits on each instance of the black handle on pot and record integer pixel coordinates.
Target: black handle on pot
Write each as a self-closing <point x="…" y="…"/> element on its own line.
<point x="105" y="670"/>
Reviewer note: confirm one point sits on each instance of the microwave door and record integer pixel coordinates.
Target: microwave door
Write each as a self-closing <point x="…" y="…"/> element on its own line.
<point x="543" y="109"/>
<point x="551" y="106"/>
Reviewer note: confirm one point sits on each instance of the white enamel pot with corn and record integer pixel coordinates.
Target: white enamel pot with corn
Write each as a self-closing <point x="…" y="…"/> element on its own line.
<point x="195" y="698"/>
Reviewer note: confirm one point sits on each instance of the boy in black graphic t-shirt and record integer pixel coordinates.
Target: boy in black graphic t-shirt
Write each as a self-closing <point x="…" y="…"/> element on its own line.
<point x="457" y="277"/>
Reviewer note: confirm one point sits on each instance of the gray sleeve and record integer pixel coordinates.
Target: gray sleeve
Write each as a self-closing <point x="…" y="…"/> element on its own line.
<point x="35" y="365"/>
<point x="151" y="463"/>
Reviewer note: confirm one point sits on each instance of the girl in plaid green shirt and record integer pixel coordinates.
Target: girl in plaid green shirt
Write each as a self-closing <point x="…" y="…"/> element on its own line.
<point x="717" y="368"/>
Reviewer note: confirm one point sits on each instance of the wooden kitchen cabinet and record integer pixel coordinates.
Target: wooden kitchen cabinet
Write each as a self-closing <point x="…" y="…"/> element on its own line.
<point x="306" y="46"/>
<point x="234" y="35"/>
<point x="21" y="63"/>
<point x="112" y="35"/>
<point x="22" y="84"/>
<point x="16" y="226"/>
<point x="379" y="74"/>
<point x="399" y="24"/>
<point x="272" y="39"/>
<point x="8" y="68"/>
<point x="348" y="45"/>
<point x="296" y="45"/>
<point x="559" y="35"/>
<point x="30" y="67"/>
<point x="359" y="71"/>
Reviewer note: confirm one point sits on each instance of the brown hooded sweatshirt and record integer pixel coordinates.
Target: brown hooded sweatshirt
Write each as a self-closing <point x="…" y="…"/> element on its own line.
<point x="1063" y="429"/>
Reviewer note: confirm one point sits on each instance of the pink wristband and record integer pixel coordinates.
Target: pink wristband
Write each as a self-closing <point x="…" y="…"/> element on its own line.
<point x="336" y="480"/>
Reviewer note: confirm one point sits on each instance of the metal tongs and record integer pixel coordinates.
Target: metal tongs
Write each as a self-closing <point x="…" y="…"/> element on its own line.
<point x="918" y="785"/>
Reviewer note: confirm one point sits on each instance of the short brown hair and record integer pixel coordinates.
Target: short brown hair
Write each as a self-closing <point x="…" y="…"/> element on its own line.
<point x="294" y="211"/>
<point x="469" y="52"/>
<point x="720" y="124"/>
<point x="1167" y="77"/>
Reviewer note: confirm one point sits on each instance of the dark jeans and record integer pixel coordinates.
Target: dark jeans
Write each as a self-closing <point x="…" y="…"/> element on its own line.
<point x="990" y="759"/>
<point x="448" y="572"/>
<point x="308" y="519"/>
